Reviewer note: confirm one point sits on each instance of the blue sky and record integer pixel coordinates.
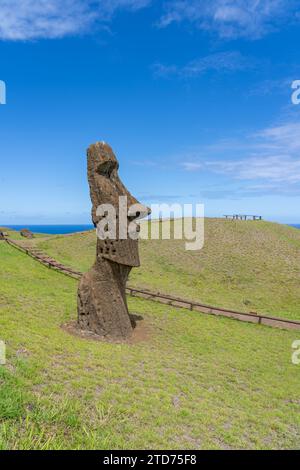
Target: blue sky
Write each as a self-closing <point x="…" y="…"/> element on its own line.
<point x="194" y="97"/>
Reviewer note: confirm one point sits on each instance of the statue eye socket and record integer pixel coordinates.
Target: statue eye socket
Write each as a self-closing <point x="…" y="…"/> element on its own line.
<point x="106" y="168"/>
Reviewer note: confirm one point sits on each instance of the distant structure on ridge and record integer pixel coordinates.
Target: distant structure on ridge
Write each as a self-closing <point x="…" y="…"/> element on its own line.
<point x="243" y="217"/>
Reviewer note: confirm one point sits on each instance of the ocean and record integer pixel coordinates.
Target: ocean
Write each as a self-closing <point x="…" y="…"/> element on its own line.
<point x="64" y="229"/>
<point x="53" y="229"/>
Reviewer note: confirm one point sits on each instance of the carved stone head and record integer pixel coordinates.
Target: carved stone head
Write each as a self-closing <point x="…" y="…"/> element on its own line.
<point x="106" y="188"/>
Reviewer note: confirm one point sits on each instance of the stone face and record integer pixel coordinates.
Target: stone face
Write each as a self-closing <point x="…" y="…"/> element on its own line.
<point x="26" y="233"/>
<point x="102" y="305"/>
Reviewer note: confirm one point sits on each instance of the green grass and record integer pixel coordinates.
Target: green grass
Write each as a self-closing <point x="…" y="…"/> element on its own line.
<point x="196" y="382"/>
<point x="15" y="235"/>
<point x="247" y="266"/>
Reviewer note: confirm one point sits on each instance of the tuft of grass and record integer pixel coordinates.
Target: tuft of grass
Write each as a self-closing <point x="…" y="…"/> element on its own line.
<point x="195" y="382"/>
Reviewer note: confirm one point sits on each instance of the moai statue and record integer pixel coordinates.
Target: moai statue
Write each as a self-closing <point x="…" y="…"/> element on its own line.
<point x="26" y="233"/>
<point x="102" y="305"/>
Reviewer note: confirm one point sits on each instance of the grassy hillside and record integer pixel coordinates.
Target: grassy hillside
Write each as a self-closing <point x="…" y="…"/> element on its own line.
<point x="194" y="381"/>
<point x="248" y="266"/>
<point x="15" y="235"/>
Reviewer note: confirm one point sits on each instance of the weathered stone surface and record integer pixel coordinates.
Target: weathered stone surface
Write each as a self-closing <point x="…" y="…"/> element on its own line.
<point x="26" y="233"/>
<point x="102" y="305"/>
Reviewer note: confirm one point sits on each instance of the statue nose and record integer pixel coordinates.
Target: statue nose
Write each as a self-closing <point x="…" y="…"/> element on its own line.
<point x="138" y="211"/>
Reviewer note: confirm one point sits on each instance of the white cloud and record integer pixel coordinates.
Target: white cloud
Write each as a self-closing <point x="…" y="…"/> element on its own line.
<point x="32" y="19"/>
<point x="232" y="18"/>
<point x="277" y="168"/>
<point x="285" y="137"/>
<point x="193" y="166"/>
<point x="272" y="87"/>
<point x="223" y="61"/>
<point x="271" y="156"/>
